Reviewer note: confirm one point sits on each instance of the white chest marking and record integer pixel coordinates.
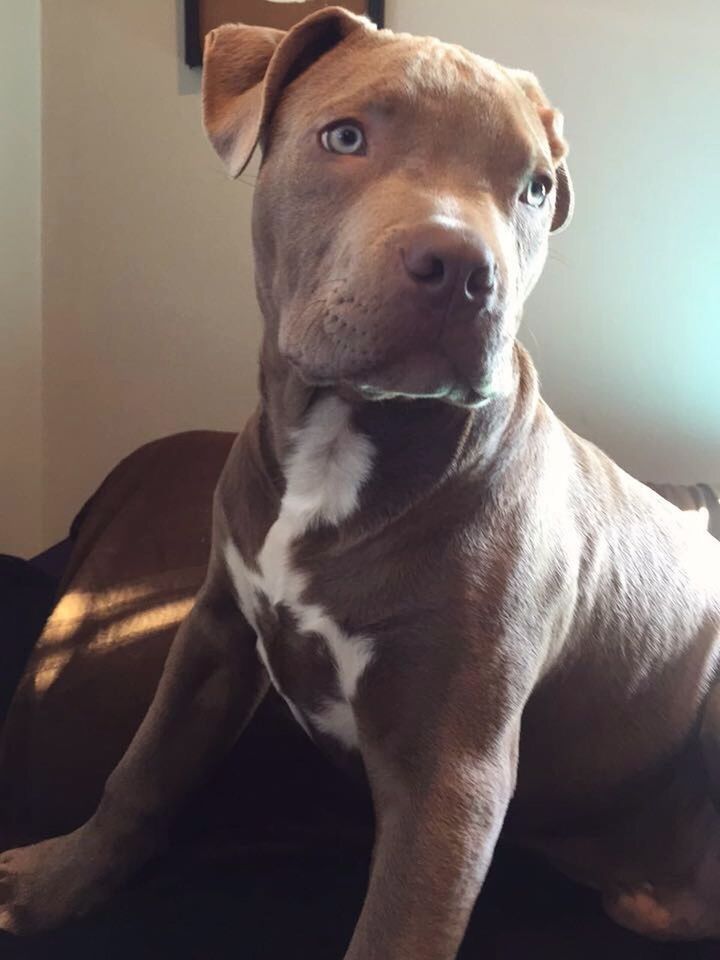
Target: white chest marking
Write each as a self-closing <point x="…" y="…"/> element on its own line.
<point x="324" y="475"/>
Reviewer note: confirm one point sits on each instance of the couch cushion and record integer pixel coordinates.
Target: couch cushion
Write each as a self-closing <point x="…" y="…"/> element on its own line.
<point x="142" y="544"/>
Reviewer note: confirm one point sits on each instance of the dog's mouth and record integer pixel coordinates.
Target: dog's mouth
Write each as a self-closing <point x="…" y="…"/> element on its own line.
<point x="401" y="353"/>
<point x="457" y="396"/>
<point x="421" y="376"/>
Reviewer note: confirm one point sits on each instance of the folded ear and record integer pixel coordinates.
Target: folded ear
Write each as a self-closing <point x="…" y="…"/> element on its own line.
<point x="552" y="121"/>
<point x="246" y="68"/>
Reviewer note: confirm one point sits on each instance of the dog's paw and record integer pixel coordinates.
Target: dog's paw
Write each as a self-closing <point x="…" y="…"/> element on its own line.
<point x="680" y="916"/>
<point x="44" y="885"/>
<point x="639" y="910"/>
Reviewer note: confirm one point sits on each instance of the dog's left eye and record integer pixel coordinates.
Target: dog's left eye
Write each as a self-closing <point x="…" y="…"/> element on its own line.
<point x="346" y="138"/>
<point x="537" y="191"/>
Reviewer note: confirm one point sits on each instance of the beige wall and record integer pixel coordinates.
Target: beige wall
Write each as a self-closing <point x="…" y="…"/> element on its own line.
<point x="20" y="307"/>
<point x="150" y="324"/>
<point x="150" y="321"/>
<point x="625" y="325"/>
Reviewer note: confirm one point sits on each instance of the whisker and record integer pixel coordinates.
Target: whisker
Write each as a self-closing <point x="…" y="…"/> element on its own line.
<point x="557" y="258"/>
<point x="531" y="333"/>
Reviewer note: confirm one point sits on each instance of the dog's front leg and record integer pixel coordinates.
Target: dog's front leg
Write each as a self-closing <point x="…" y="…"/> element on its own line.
<point x="440" y="804"/>
<point x="209" y="689"/>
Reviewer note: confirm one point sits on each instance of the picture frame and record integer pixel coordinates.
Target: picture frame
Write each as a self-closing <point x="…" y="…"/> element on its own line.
<point x="201" y="16"/>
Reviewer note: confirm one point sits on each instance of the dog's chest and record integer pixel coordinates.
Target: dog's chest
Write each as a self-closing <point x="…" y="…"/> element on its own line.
<point x="312" y="661"/>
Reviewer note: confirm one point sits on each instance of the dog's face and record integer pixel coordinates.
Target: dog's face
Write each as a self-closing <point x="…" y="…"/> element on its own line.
<point x="403" y="206"/>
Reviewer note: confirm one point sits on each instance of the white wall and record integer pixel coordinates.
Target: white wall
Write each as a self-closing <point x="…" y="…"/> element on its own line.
<point x="20" y="306"/>
<point x="625" y="325"/>
<point x="150" y="324"/>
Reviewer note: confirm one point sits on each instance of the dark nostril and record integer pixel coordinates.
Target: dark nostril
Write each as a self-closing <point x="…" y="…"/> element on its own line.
<point x="436" y="271"/>
<point x="480" y="282"/>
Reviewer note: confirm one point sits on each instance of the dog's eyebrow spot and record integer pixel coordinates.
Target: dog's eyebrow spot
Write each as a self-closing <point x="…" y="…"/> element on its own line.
<point x="386" y="106"/>
<point x="383" y="103"/>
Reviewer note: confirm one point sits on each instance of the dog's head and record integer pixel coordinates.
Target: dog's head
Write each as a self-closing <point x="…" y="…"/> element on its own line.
<point x="403" y="205"/>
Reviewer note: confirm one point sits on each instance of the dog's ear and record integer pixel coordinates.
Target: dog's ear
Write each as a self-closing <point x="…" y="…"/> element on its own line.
<point x="552" y="121"/>
<point x="246" y="69"/>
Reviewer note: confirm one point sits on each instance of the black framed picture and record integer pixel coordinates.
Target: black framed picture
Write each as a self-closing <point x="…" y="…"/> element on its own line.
<point x="202" y="16"/>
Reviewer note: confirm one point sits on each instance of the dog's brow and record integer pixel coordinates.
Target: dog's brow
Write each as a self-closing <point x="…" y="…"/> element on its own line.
<point x="383" y="103"/>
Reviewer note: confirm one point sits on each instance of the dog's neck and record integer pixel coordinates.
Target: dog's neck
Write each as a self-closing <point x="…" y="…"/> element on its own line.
<point x="419" y="443"/>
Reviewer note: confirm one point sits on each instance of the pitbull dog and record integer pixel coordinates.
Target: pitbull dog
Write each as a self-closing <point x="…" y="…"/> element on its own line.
<point x="455" y="594"/>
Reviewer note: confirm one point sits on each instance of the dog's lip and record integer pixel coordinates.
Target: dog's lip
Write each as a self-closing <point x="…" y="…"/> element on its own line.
<point x="369" y="392"/>
<point x="455" y="388"/>
<point x="468" y="398"/>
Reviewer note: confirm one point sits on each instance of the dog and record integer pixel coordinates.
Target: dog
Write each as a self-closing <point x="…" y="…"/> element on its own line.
<point x="459" y="599"/>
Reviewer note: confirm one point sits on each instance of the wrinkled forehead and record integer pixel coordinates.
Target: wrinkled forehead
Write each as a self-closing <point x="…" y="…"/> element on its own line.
<point x="438" y="87"/>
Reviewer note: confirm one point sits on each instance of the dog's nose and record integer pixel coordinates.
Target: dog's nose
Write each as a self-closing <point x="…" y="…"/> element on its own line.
<point x="442" y="259"/>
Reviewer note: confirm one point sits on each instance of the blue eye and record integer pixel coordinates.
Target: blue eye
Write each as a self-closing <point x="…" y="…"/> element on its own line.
<point x="537" y="191"/>
<point x="345" y="138"/>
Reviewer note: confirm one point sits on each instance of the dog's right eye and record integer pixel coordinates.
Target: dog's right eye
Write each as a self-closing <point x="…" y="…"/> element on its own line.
<point x="346" y="138"/>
